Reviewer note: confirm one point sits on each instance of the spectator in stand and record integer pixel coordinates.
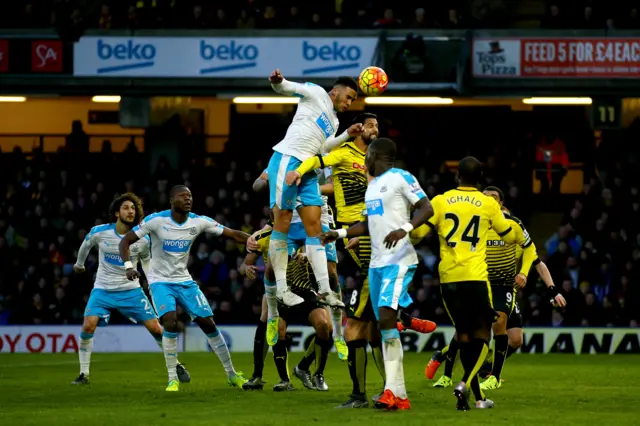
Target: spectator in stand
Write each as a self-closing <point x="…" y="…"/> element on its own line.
<point x="388" y="21"/>
<point x="552" y="163"/>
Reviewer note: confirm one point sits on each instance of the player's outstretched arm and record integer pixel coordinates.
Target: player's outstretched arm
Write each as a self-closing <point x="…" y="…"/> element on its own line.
<point x="334" y="142"/>
<point x="288" y="88"/>
<point x="262" y="183"/>
<point x="234" y="234"/>
<point x="125" y="254"/>
<point x="357" y="230"/>
<point x="423" y="211"/>
<point x="326" y="189"/>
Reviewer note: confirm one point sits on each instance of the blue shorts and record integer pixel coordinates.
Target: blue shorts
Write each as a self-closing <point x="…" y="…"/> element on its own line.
<point x="133" y="304"/>
<point x="284" y="196"/>
<point x="297" y="237"/>
<point x="389" y="286"/>
<point x="187" y="294"/>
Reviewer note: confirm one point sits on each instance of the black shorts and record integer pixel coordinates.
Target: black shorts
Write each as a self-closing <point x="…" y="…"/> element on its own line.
<point x="299" y="314"/>
<point x="504" y="298"/>
<point x="358" y="303"/>
<point x="468" y="304"/>
<point x="515" y="319"/>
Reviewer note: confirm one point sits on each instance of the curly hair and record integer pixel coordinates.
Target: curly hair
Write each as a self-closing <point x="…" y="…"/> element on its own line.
<point x="117" y="203"/>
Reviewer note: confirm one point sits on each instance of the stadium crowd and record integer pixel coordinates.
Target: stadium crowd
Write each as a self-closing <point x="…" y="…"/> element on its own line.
<point x="49" y="202"/>
<point x="321" y="14"/>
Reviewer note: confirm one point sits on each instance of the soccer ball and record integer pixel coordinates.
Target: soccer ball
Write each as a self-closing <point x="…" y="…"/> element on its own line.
<point x="373" y="81"/>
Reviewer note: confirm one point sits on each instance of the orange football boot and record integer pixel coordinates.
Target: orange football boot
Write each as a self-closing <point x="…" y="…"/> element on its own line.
<point x="387" y="401"/>
<point x="419" y="325"/>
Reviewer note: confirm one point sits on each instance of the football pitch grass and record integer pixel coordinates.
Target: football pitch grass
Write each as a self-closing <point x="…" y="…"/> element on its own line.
<point x="128" y="389"/>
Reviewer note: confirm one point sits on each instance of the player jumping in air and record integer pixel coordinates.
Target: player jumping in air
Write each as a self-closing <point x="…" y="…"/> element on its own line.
<point x="389" y="198"/>
<point x="349" y="185"/>
<point x="505" y="278"/>
<point x="296" y="238"/>
<point x="463" y="219"/>
<point x="111" y="289"/>
<point x="311" y="133"/>
<point x="172" y="233"/>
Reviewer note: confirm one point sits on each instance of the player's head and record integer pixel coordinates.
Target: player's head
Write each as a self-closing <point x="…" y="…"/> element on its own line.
<point x="380" y="156"/>
<point x="127" y="208"/>
<point x="370" y="123"/>
<point x="469" y="171"/>
<point x="343" y="93"/>
<point x="181" y="199"/>
<point x="495" y="193"/>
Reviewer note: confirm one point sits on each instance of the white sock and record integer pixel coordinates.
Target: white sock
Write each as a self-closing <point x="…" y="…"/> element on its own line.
<point x="272" y="301"/>
<point x="392" y="353"/>
<point x="219" y="346"/>
<point x="279" y="258"/>
<point x="318" y="258"/>
<point x="170" y="349"/>
<point x="84" y="352"/>
<point x="159" y="342"/>
<point x="336" y="319"/>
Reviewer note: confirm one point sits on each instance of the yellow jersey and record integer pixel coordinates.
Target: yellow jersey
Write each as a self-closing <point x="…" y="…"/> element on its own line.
<point x="463" y="218"/>
<point x="349" y="179"/>
<point x="503" y="258"/>
<point x="299" y="275"/>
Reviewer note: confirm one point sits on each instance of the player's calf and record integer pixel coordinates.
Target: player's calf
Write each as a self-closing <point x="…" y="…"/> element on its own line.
<point x="89" y="325"/>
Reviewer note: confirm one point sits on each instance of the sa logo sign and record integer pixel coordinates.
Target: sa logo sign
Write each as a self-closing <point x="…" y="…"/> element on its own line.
<point x="46" y="56"/>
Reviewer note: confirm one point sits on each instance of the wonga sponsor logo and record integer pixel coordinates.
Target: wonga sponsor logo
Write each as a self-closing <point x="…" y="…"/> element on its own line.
<point x="234" y="55"/>
<point x="496" y="58"/>
<point x="176" y="246"/>
<point x="113" y="259"/>
<point x="125" y="55"/>
<point x="325" y="125"/>
<point x="375" y="207"/>
<point x="333" y="56"/>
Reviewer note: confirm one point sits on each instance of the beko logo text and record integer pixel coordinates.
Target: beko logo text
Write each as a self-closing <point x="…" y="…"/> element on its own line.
<point x="346" y="56"/>
<point x="124" y="56"/>
<point x="241" y="55"/>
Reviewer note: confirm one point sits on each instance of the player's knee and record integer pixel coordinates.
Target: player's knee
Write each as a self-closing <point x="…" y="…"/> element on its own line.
<point x="154" y="328"/>
<point x="89" y="325"/>
<point x="170" y="322"/>
<point x="515" y="340"/>
<point x="282" y="219"/>
<point x="323" y="329"/>
<point x="500" y="326"/>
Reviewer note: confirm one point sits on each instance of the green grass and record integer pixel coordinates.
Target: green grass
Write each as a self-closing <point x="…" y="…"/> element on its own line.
<point x="128" y="389"/>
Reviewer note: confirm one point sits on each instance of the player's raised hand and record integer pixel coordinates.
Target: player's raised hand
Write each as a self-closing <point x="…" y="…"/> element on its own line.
<point x="521" y="280"/>
<point x="355" y="130"/>
<point x="328" y="237"/>
<point x="353" y="243"/>
<point x="132" y="274"/>
<point x="559" y="301"/>
<point x="276" y="77"/>
<point x="392" y="239"/>
<point x="292" y="177"/>
<point x="78" y="269"/>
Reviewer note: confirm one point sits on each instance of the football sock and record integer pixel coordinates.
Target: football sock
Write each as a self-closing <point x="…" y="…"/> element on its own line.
<point x="322" y="353"/>
<point x="357" y="362"/>
<point x="219" y="346"/>
<point x="378" y="358"/>
<point x="84" y="352"/>
<point x="280" y="356"/>
<point x="260" y="349"/>
<point x="472" y="355"/>
<point x="270" y="291"/>
<point x="170" y="349"/>
<point x="317" y="256"/>
<point x="450" y="356"/>
<point x="475" y="388"/>
<point x="279" y="258"/>
<point x="393" y="355"/>
<point x="500" y="347"/>
<point x="309" y="356"/>
<point x="405" y="318"/>
<point x="511" y="350"/>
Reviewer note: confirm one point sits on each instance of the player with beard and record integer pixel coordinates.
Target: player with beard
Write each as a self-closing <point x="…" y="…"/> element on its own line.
<point x="349" y="187"/>
<point x="112" y="290"/>
<point x="172" y="234"/>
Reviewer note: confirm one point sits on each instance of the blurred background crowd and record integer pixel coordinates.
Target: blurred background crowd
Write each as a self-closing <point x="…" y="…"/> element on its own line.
<point x="48" y="202"/>
<point x="319" y="14"/>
